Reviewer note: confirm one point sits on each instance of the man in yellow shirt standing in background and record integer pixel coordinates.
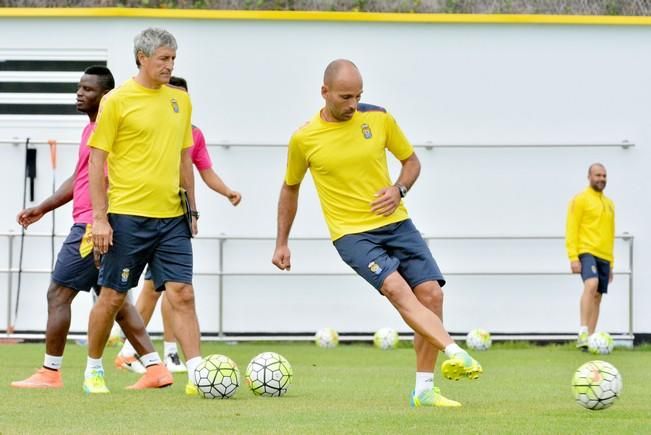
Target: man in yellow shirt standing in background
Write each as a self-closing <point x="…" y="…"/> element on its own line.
<point x="590" y="238"/>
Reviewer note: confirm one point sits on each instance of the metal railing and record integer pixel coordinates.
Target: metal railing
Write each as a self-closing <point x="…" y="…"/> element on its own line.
<point x="220" y="273"/>
<point x="427" y="144"/>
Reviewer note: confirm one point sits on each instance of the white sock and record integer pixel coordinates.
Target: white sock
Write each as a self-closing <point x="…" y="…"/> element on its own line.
<point x="127" y="349"/>
<point x="192" y="365"/>
<point x="424" y="382"/>
<point x="150" y="359"/>
<point x="452" y="349"/>
<point x="93" y="364"/>
<point x="583" y="329"/>
<point x="170" y="347"/>
<point x="52" y="362"/>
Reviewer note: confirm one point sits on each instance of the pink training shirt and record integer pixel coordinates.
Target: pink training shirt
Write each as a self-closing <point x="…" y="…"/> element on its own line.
<point x="200" y="156"/>
<point x="82" y="209"/>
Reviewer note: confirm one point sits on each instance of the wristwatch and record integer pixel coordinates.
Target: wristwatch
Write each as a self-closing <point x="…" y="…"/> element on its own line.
<point x="195" y="214"/>
<point x="402" y="189"/>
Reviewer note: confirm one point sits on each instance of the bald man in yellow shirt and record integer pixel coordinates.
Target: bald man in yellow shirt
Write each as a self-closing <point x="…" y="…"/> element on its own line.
<point x="590" y="239"/>
<point x="344" y="146"/>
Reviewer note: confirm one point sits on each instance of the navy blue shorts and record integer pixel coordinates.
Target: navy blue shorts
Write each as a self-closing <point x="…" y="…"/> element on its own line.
<point x="376" y="254"/>
<point x="164" y="244"/>
<point x="595" y="267"/>
<point x="73" y="270"/>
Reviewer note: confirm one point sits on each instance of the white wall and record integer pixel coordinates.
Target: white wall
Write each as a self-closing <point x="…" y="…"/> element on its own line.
<point x="256" y="81"/>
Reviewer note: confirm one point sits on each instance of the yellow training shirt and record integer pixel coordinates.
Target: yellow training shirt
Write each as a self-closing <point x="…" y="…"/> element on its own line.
<point x="143" y="131"/>
<point x="591" y="226"/>
<point x="348" y="163"/>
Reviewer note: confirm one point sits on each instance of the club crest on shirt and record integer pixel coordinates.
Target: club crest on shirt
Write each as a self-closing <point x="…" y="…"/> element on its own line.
<point x="366" y="131"/>
<point x="175" y="105"/>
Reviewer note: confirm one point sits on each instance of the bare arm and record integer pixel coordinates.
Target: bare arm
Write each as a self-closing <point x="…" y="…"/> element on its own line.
<point x="212" y="180"/>
<point x="62" y="196"/>
<point x="187" y="182"/>
<point x="102" y="231"/>
<point x="388" y="198"/>
<point x="287" y="206"/>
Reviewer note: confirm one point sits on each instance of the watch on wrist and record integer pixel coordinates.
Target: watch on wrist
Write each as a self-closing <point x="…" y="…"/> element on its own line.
<point x="195" y="214"/>
<point x="402" y="189"/>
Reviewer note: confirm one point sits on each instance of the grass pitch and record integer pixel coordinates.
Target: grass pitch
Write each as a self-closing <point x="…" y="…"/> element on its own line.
<point x="349" y="389"/>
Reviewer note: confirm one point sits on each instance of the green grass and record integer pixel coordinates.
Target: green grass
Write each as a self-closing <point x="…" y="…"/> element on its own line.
<point x="350" y="389"/>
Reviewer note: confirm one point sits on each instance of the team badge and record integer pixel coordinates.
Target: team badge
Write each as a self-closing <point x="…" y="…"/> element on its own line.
<point x="366" y="131"/>
<point x="594" y="269"/>
<point x="374" y="267"/>
<point x="125" y="274"/>
<point x="175" y="105"/>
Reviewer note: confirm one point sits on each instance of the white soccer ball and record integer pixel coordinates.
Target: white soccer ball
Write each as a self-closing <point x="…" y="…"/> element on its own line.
<point x="479" y="339"/>
<point x="326" y="337"/>
<point x="269" y="374"/>
<point x="217" y="377"/>
<point x="596" y="385"/>
<point x="600" y="343"/>
<point x="386" y="338"/>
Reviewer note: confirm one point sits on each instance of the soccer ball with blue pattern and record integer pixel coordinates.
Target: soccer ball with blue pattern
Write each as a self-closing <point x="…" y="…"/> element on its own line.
<point x="386" y="338"/>
<point x="600" y="343"/>
<point x="269" y="374"/>
<point x="479" y="339"/>
<point x="217" y="377"/>
<point x="326" y="337"/>
<point x="596" y="385"/>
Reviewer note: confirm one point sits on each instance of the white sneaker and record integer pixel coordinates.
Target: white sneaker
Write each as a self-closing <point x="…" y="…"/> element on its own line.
<point x="174" y="363"/>
<point x="130" y="363"/>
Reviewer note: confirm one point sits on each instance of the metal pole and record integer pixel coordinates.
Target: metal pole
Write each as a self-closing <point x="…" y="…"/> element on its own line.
<point x="630" y="286"/>
<point x="10" y="279"/>
<point x="221" y="287"/>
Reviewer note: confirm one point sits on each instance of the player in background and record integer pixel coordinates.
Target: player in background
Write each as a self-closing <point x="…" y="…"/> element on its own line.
<point x="74" y="270"/>
<point x="590" y="241"/>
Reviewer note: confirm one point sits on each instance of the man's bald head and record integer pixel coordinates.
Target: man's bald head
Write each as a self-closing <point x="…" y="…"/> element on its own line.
<point x="342" y="88"/>
<point x="340" y="68"/>
<point x="597" y="176"/>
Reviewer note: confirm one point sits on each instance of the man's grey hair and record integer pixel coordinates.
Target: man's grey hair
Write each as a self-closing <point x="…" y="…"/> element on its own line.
<point x="150" y="39"/>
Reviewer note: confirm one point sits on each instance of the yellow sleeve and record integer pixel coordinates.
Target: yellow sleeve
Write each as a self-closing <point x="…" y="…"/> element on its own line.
<point x="106" y="125"/>
<point x="296" y="163"/>
<point x="397" y="142"/>
<point x="574" y="215"/>
<point x="612" y="235"/>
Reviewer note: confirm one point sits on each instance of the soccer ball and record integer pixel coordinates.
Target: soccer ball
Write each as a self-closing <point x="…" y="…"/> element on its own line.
<point x="479" y="339"/>
<point x="269" y="374"/>
<point x="217" y="377"/>
<point x="600" y="343"/>
<point x="326" y="337"/>
<point x="596" y="385"/>
<point x="386" y="338"/>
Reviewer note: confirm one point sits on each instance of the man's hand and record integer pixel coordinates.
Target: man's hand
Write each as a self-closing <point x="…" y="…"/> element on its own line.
<point x="387" y="200"/>
<point x="102" y="235"/>
<point x="28" y="216"/>
<point x="282" y="258"/>
<point x="575" y="266"/>
<point x="195" y="227"/>
<point x="234" y="197"/>
<point x="610" y="276"/>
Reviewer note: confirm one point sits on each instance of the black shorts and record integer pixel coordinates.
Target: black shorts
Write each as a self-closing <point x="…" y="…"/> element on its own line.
<point x="595" y="267"/>
<point x="75" y="267"/>
<point x="376" y="254"/>
<point x="163" y="243"/>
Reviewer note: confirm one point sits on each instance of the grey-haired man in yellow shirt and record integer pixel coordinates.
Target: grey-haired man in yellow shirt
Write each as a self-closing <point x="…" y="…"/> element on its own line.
<point x="590" y="238"/>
